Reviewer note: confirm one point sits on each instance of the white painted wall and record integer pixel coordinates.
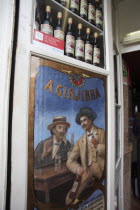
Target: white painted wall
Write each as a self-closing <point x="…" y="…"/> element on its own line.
<point x="128" y="17"/>
<point x="6" y="36"/>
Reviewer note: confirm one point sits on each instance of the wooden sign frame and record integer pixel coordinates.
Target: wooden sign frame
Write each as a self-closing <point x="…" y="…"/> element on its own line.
<point x="89" y="95"/>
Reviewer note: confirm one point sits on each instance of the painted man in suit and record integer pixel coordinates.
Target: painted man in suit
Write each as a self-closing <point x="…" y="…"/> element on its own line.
<point x="47" y="150"/>
<point x="90" y="148"/>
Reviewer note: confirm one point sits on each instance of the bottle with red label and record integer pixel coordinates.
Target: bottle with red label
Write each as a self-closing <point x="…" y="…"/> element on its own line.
<point x="99" y="15"/>
<point x="91" y="12"/>
<point x="58" y="33"/>
<point x="83" y="9"/>
<point x="96" y="50"/>
<point x="74" y="6"/>
<point x="47" y="26"/>
<point x="88" y="47"/>
<point x="70" y="39"/>
<point x="79" y="47"/>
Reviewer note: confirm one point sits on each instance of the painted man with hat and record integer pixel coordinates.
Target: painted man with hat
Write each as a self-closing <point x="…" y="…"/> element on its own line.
<point x="90" y="148"/>
<point x="57" y="144"/>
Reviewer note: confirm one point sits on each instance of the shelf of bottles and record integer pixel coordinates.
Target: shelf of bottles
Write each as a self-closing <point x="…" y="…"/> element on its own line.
<point x="79" y="23"/>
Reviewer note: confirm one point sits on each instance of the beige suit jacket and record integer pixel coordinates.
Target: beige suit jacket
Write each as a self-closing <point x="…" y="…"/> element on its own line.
<point x="80" y="151"/>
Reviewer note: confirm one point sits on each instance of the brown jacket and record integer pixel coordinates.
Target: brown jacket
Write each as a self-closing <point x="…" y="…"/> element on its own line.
<point x="80" y="151"/>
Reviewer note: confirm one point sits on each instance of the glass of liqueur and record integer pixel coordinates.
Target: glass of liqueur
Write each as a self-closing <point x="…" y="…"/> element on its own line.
<point x="79" y="47"/>
<point x="70" y="39"/>
<point x="91" y="12"/>
<point x="83" y="9"/>
<point x="88" y="47"/>
<point x="96" y="50"/>
<point x="47" y="27"/>
<point x="98" y="14"/>
<point x="74" y="6"/>
<point x="58" y="33"/>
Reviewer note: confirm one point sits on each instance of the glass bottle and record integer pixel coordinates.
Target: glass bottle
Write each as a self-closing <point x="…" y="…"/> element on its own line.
<point x="96" y="50"/>
<point x="83" y="9"/>
<point x="47" y="27"/>
<point x="99" y="16"/>
<point x="75" y="187"/>
<point x="64" y="3"/>
<point x="79" y="47"/>
<point x="58" y="33"/>
<point x="70" y="39"/>
<point x="88" y="47"/>
<point x="74" y="6"/>
<point x="91" y="12"/>
<point x="37" y="19"/>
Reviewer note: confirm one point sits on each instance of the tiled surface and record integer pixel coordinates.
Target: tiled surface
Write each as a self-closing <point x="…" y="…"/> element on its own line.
<point x="135" y="203"/>
<point x="127" y="181"/>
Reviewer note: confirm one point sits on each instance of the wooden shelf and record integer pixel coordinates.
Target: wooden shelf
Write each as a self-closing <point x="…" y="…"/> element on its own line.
<point x="56" y="7"/>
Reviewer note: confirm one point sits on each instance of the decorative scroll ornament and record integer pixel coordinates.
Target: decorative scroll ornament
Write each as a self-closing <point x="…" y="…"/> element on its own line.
<point x="77" y="81"/>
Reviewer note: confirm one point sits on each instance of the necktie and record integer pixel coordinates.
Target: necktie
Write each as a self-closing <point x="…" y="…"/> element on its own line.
<point x="57" y="144"/>
<point x="90" y="134"/>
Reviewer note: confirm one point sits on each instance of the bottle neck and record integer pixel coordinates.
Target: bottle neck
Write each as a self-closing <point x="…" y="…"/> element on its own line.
<point x="69" y="27"/>
<point x="90" y="2"/>
<point x="48" y="15"/>
<point x="95" y="41"/>
<point x="87" y="36"/>
<point x="79" y="33"/>
<point x="59" y="22"/>
<point x="97" y="5"/>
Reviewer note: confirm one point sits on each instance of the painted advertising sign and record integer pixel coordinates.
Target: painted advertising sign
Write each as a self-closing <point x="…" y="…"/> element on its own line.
<point x="67" y="140"/>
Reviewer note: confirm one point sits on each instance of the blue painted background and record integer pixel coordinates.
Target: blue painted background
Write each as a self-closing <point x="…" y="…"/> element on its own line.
<point x="49" y="105"/>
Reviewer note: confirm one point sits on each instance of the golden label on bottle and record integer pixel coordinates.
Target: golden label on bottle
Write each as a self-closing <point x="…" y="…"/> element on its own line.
<point x="59" y="34"/>
<point x="74" y="4"/>
<point x="74" y="187"/>
<point x="96" y="55"/>
<point x="70" y="44"/>
<point x="91" y="12"/>
<point x="99" y="18"/>
<point x="47" y="29"/>
<point x="83" y="7"/>
<point x="79" y="48"/>
<point x="88" y="52"/>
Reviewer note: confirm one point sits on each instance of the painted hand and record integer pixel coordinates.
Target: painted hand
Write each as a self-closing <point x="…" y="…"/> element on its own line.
<point x="94" y="142"/>
<point x="46" y="150"/>
<point x="80" y="170"/>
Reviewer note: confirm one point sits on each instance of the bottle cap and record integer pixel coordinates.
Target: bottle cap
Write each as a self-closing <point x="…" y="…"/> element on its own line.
<point x="59" y="15"/>
<point x="88" y="30"/>
<point x="96" y="35"/>
<point x="70" y="20"/>
<point x="48" y="8"/>
<point x="79" y="26"/>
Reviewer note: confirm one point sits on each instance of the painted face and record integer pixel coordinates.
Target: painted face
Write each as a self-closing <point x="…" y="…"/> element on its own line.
<point x="60" y="131"/>
<point x="86" y="123"/>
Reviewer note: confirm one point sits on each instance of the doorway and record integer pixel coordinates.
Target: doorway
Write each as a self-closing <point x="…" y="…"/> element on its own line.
<point x="132" y="63"/>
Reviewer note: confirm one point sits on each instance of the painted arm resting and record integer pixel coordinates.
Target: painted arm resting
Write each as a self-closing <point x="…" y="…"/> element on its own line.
<point x="101" y="145"/>
<point x="72" y="163"/>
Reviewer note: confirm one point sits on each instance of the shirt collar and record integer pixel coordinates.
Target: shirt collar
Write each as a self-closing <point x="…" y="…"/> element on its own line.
<point x="90" y="131"/>
<point x="55" y="141"/>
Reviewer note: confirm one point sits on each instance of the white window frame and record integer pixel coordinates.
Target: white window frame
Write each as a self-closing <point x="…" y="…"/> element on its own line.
<point x="7" y="11"/>
<point x="21" y="100"/>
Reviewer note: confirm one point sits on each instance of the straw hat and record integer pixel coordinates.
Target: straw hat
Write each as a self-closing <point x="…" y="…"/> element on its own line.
<point x="58" y="120"/>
